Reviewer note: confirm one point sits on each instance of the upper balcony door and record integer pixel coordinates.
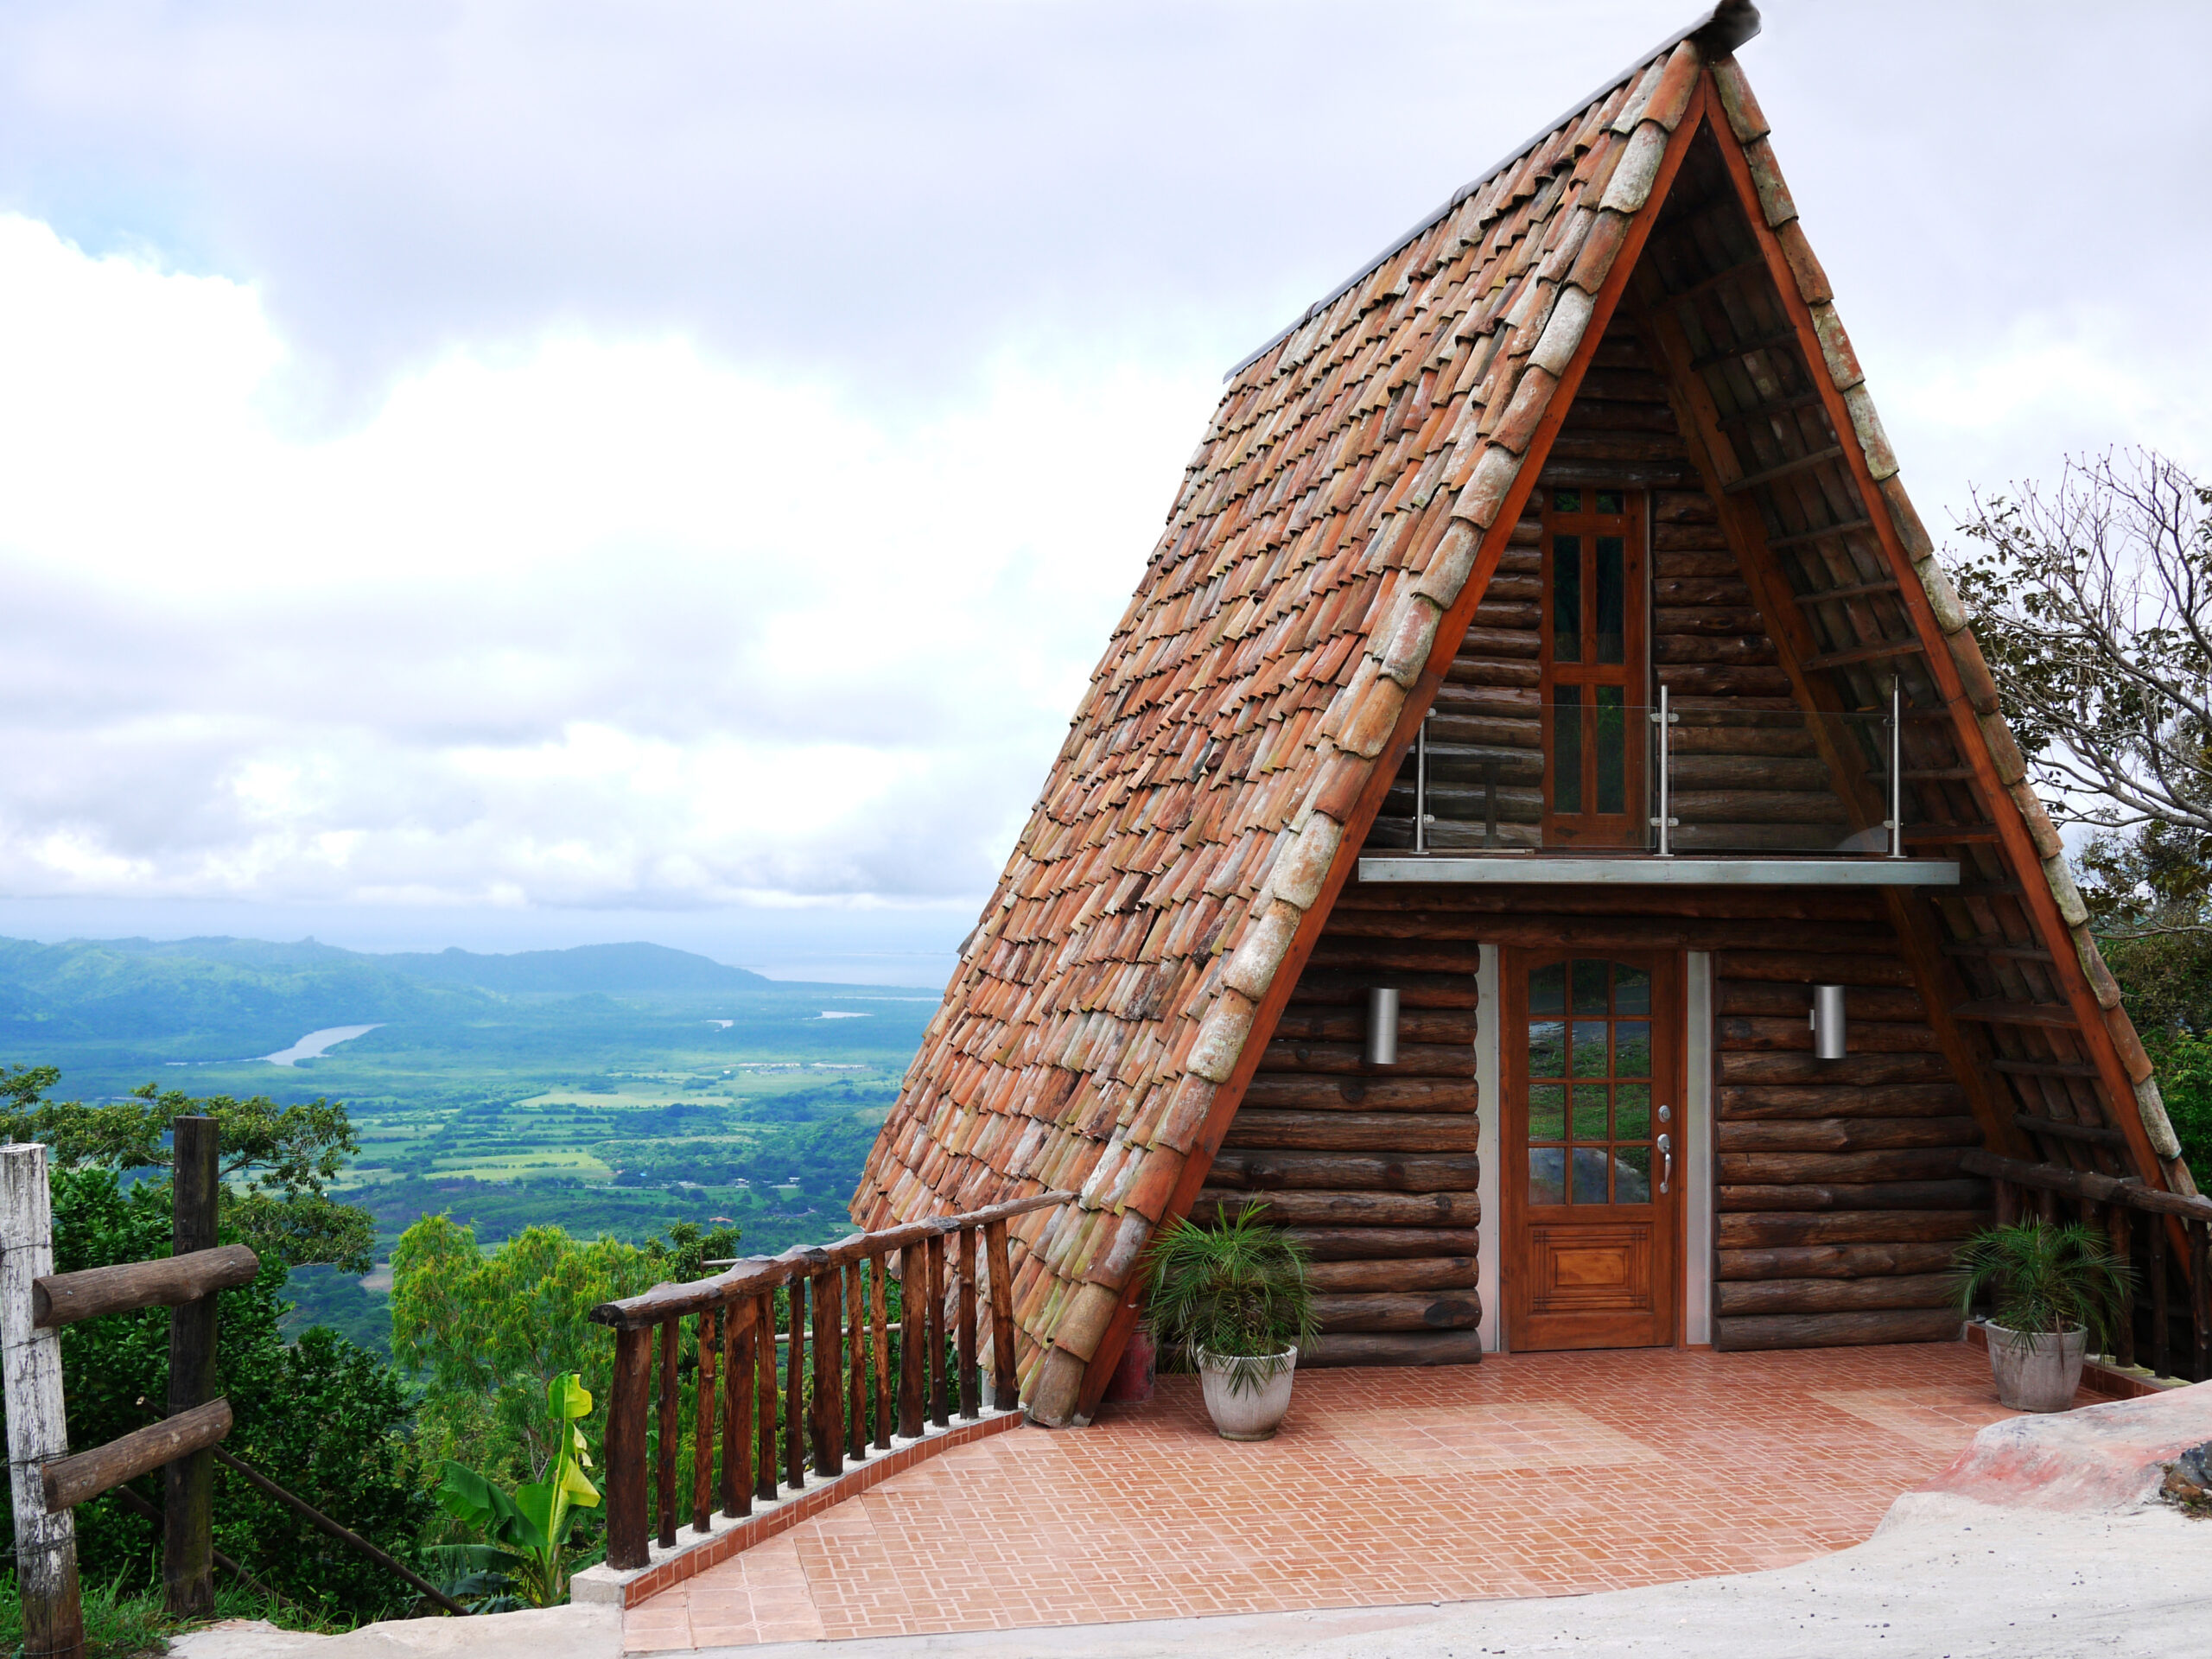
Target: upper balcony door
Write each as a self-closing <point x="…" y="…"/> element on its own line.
<point x="1595" y="669"/>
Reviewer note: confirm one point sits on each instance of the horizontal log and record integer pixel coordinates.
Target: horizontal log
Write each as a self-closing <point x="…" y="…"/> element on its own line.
<point x="1403" y="1277"/>
<point x="1541" y="927"/>
<point x="1314" y="1024"/>
<point x="1861" y="1195"/>
<point x="1345" y="1172"/>
<point x="71" y="1481"/>
<point x="1813" y="967"/>
<point x="1323" y="987"/>
<point x="1707" y="769"/>
<point x="2087" y="1183"/>
<point x="1402" y="1347"/>
<point x="1775" y="1168"/>
<point x="2095" y="1135"/>
<point x="1443" y="1311"/>
<point x="1864" y="1005"/>
<point x="1346" y="1209"/>
<point x="1723" y="839"/>
<point x="1732" y="1299"/>
<point x="1305" y="1091"/>
<point x="1683" y="679"/>
<point x="1748" y="1334"/>
<point x="1385" y="1243"/>
<point x="65" y="1298"/>
<point x="1846" y="1134"/>
<point x="1857" y="1069"/>
<point x="1742" y="1102"/>
<point x="1800" y="1228"/>
<point x="736" y="1285"/>
<point x="1836" y="1260"/>
<point x="1414" y="1059"/>
<point x="1877" y="1037"/>
<point x="1351" y="1131"/>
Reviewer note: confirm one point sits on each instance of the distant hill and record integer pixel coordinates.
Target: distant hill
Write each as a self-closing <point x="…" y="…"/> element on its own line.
<point x="613" y="969"/>
<point x="231" y="999"/>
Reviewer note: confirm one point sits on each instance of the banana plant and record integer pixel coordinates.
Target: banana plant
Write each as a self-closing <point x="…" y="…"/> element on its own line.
<point x="523" y="1561"/>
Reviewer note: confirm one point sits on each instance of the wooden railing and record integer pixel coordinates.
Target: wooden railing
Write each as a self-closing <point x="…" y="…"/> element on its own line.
<point x="841" y="1400"/>
<point x="2147" y="1227"/>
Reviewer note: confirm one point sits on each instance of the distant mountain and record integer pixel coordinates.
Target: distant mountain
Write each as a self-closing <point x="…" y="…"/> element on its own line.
<point x="613" y="969"/>
<point x="229" y="999"/>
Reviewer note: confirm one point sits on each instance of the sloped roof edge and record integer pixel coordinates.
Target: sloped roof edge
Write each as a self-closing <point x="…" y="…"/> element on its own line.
<point x="1717" y="32"/>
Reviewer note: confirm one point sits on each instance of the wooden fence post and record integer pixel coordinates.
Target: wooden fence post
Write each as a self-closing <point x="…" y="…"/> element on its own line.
<point x="626" y="1524"/>
<point x="188" y="1484"/>
<point x="38" y="1427"/>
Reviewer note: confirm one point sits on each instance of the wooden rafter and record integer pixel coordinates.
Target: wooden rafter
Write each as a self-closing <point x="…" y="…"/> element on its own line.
<point x="2012" y="830"/>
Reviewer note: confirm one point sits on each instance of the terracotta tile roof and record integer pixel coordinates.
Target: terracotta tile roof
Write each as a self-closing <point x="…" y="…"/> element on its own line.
<point x="1336" y="518"/>
<point x="1328" y="519"/>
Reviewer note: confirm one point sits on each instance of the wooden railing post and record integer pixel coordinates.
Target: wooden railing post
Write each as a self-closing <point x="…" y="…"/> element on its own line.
<point x="2161" y="1304"/>
<point x="856" y="1389"/>
<point x="2200" y="1297"/>
<point x="763" y="1381"/>
<point x="188" y="1484"/>
<point x="829" y="1378"/>
<point x="664" y="1480"/>
<point x="1005" y="1387"/>
<point x="38" y="1425"/>
<point x="913" y="1343"/>
<point x="703" y="1431"/>
<point x="2119" y="1231"/>
<point x="971" y="1393"/>
<point x="738" y="1335"/>
<point x="880" y="1346"/>
<point x="795" y="1412"/>
<point x="626" y="1527"/>
<point x="2007" y="1199"/>
<point x="940" y="1383"/>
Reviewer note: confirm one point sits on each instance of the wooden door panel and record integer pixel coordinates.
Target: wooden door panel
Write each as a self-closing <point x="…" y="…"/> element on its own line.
<point x="1593" y="1197"/>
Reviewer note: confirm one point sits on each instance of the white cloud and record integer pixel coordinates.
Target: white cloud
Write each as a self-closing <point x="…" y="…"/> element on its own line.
<point x="599" y="622"/>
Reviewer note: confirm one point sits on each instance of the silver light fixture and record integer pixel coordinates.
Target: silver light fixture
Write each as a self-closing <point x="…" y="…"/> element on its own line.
<point x="1381" y="1025"/>
<point x="1828" y="1022"/>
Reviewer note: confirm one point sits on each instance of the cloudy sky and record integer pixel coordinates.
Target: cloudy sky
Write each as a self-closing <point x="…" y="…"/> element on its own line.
<point x="510" y="475"/>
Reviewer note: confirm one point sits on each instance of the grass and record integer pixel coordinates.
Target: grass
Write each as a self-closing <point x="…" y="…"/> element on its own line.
<point x="126" y="1625"/>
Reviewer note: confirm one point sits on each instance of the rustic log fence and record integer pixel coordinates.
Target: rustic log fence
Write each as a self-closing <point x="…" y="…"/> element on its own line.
<point x="2167" y="1237"/>
<point x="838" y="1397"/>
<point x="47" y="1482"/>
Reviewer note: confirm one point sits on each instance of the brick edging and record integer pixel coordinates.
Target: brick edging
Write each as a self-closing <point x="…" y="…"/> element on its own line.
<point x="693" y="1555"/>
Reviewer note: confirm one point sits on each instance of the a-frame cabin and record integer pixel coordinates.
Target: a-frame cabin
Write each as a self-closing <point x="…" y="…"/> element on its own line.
<point x="1589" y="442"/>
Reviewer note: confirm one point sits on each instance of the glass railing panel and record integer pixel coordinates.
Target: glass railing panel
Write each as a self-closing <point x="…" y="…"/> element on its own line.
<point x="1586" y="771"/>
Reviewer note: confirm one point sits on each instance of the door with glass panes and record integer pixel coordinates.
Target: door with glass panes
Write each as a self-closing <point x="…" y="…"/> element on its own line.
<point x="1591" y="1169"/>
<point x="1595" y="670"/>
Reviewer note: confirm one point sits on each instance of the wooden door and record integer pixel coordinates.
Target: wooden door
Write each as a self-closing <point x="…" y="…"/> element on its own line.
<point x="1593" y="672"/>
<point x="1592" y="1149"/>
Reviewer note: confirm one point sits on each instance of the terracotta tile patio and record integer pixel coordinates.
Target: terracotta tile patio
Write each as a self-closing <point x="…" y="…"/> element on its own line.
<point x="1541" y="1474"/>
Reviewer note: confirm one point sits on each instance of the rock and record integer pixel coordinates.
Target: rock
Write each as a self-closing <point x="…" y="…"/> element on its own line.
<point x="2100" y="1459"/>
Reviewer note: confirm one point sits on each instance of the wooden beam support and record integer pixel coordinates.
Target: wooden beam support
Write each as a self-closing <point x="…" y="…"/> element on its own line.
<point x="1915" y="924"/>
<point x="2019" y="846"/>
<point x="2093" y="1134"/>
<point x="1856" y="590"/>
<point x="1784" y="469"/>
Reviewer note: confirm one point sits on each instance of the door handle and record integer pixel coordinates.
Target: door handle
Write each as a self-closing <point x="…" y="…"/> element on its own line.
<point x="1667" y="1170"/>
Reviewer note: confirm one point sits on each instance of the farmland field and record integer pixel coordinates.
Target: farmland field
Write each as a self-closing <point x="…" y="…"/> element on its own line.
<point x="604" y="1093"/>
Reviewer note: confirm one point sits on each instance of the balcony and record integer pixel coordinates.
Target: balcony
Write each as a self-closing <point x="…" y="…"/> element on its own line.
<point x="1602" y="791"/>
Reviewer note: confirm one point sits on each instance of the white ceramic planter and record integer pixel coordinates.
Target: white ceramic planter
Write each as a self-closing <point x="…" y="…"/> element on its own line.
<point x="2039" y="1375"/>
<point x="1255" y="1414"/>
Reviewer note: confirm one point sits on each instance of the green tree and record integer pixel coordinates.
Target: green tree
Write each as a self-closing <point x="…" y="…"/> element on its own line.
<point x="278" y="1161"/>
<point x="324" y="1418"/>
<point x="487" y="1333"/>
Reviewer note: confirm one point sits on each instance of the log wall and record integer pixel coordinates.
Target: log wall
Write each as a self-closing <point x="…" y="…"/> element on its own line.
<point x="1746" y="773"/>
<point x="1838" y="1195"/>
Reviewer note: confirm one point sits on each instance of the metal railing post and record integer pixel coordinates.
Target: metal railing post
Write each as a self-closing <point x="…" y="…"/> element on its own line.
<point x="1421" y="783"/>
<point x="1897" y="768"/>
<point x="1664" y="717"/>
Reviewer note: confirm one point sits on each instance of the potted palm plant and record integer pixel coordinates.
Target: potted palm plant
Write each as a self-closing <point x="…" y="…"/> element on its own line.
<point x="2052" y="1290"/>
<point x="1234" y="1296"/>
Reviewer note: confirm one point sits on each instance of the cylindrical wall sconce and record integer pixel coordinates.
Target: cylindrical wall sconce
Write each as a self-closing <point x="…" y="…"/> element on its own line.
<point x="1828" y="1022"/>
<point x="1381" y="1025"/>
